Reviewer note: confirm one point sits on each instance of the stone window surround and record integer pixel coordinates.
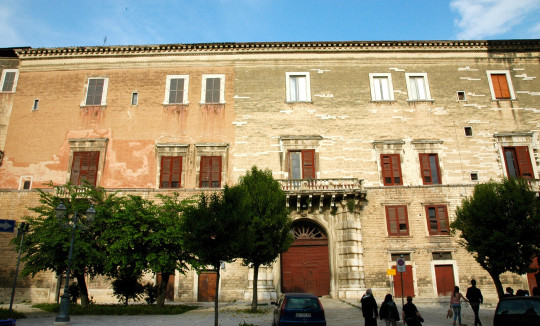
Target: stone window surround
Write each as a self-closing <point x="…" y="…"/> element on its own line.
<point x="428" y="146"/>
<point x="390" y="146"/>
<point x="426" y="87"/>
<point x="508" y="81"/>
<point x="221" y="88"/>
<point x="4" y="72"/>
<point x="296" y="143"/>
<point x="212" y="149"/>
<point x="288" y="76"/>
<point x="185" y="98"/>
<point x="103" y="95"/>
<point x="513" y="139"/>
<point x="372" y="76"/>
<point x="171" y="149"/>
<point x="88" y="145"/>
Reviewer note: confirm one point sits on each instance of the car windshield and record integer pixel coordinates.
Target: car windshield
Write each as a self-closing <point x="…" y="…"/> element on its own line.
<point x="302" y="303"/>
<point x="519" y="307"/>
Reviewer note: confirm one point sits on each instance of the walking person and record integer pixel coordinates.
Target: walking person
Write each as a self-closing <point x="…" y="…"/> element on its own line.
<point x="411" y="316"/>
<point x="455" y="303"/>
<point x="369" y="308"/>
<point x="389" y="312"/>
<point x="474" y="295"/>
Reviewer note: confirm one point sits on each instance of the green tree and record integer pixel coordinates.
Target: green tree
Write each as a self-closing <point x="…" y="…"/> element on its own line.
<point x="166" y="243"/>
<point x="47" y="243"/>
<point x="269" y="223"/>
<point x="215" y="230"/>
<point x="127" y="286"/>
<point x="500" y="226"/>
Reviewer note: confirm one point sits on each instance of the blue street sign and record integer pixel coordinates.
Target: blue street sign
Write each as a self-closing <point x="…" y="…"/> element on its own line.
<point x="7" y="226"/>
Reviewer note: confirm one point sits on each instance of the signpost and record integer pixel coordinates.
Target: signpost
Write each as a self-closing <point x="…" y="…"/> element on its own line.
<point x="400" y="263"/>
<point x="7" y="226"/>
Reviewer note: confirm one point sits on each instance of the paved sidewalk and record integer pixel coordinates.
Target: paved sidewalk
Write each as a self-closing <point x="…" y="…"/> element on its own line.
<point x="338" y="313"/>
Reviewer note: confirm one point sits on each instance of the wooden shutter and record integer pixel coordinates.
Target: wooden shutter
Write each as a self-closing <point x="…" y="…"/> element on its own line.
<point x="9" y="80"/>
<point x="524" y="162"/>
<point x="84" y="167"/>
<point x="212" y="90"/>
<point x="397" y="221"/>
<point x="308" y="164"/>
<point x="391" y="169"/>
<point x="95" y="91"/>
<point x="171" y="172"/>
<point x="500" y="86"/>
<point x="437" y="219"/>
<point x="210" y="175"/>
<point x="425" y="169"/>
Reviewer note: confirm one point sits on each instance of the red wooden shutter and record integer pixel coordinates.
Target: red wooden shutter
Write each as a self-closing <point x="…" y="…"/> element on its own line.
<point x="308" y="164"/>
<point x="84" y="167"/>
<point x="391" y="169"/>
<point x="171" y="172"/>
<point x="396" y="220"/>
<point x="524" y="162"/>
<point x="442" y="218"/>
<point x="210" y="175"/>
<point x="425" y="169"/>
<point x="500" y="86"/>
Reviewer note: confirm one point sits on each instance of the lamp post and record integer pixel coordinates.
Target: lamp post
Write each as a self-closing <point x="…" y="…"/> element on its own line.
<point x="61" y="214"/>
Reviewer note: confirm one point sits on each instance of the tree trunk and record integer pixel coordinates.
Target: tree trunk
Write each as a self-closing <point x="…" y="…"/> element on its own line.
<point x="216" y="297"/>
<point x="498" y="284"/>
<point x="127" y="299"/>
<point x="162" y="290"/>
<point x="83" y="290"/>
<point x="255" y="281"/>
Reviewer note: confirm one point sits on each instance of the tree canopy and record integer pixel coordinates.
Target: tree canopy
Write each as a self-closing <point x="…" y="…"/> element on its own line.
<point x="500" y="226"/>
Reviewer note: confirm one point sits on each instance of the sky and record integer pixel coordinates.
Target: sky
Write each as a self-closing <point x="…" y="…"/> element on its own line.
<point x="63" y="23"/>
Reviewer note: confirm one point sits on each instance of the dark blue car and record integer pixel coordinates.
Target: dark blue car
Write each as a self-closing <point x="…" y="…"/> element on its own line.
<point x="294" y="309"/>
<point x="518" y="311"/>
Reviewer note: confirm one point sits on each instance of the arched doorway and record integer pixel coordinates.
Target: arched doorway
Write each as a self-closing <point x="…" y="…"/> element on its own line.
<point x="305" y="266"/>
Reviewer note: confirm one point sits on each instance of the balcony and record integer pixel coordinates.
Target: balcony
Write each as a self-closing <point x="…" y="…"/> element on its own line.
<point x="306" y="194"/>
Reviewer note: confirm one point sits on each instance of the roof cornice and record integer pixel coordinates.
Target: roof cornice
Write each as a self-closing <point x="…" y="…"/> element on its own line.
<point x="283" y="47"/>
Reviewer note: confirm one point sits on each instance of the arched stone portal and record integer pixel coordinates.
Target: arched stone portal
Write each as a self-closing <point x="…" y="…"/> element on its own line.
<point x="305" y="266"/>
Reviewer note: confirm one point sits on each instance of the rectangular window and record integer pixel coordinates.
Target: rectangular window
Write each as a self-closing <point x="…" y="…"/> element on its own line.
<point x="298" y="87"/>
<point x="96" y="91"/>
<point x="210" y="174"/>
<point x="213" y="90"/>
<point x="437" y="219"/>
<point x="171" y="172"/>
<point x="9" y="80"/>
<point x="35" y="106"/>
<point x="468" y="131"/>
<point x="302" y="164"/>
<point x="461" y="96"/>
<point x="176" y="89"/>
<point x="500" y="85"/>
<point x="429" y="168"/>
<point x="84" y="167"/>
<point x="381" y="87"/>
<point x="391" y="169"/>
<point x="418" y="87"/>
<point x="518" y="162"/>
<point x="397" y="221"/>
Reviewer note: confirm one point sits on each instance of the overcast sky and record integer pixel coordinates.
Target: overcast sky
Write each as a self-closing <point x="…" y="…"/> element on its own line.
<point x="48" y="23"/>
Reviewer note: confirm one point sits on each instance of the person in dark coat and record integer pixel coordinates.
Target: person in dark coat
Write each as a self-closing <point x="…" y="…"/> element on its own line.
<point x="411" y="316"/>
<point x="389" y="312"/>
<point x="474" y="295"/>
<point x="369" y="308"/>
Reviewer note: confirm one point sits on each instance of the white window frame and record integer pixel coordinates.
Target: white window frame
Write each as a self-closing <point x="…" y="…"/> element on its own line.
<point x="103" y="94"/>
<point x="16" y="71"/>
<point x="221" y="88"/>
<point x="168" y="88"/>
<point x="426" y="87"/>
<point x="508" y="81"/>
<point x="388" y="76"/>
<point x="288" y="76"/>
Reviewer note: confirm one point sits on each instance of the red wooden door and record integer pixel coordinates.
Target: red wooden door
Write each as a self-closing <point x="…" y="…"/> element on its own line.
<point x="534" y="277"/>
<point x="444" y="276"/>
<point x="169" y="294"/>
<point x="305" y="267"/>
<point x="408" y="285"/>
<point x="207" y="286"/>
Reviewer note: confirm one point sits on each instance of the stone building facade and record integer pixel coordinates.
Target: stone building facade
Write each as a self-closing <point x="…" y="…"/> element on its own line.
<point x="375" y="144"/>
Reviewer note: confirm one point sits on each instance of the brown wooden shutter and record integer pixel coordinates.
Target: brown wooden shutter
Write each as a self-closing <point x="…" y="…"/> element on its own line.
<point x="171" y="171"/>
<point x="425" y="169"/>
<point x="391" y="169"/>
<point x="84" y="167"/>
<point x="442" y="218"/>
<point x="216" y="172"/>
<point x="500" y="86"/>
<point x="308" y="164"/>
<point x="524" y="162"/>
<point x="210" y="175"/>
<point x="396" y="219"/>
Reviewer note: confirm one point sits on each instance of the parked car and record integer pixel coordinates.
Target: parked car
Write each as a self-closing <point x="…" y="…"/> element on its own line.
<point x="298" y="309"/>
<point x="522" y="311"/>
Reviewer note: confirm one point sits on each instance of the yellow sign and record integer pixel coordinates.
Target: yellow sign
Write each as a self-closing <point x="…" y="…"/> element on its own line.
<point x="391" y="272"/>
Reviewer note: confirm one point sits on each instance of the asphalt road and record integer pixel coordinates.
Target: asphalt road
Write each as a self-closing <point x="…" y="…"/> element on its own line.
<point x="338" y="313"/>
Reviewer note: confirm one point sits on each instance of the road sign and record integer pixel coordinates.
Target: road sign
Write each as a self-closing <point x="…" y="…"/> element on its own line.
<point x="7" y="226"/>
<point x="400" y="262"/>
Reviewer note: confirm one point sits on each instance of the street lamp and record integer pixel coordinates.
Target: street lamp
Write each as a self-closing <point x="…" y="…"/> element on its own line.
<point x="61" y="212"/>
